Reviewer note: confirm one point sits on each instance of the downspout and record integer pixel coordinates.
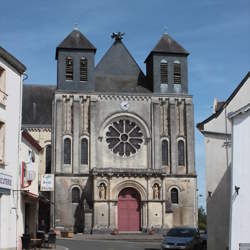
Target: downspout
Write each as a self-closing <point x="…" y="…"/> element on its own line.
<point x="18" y="156"/>
<point x="230" y="184"/>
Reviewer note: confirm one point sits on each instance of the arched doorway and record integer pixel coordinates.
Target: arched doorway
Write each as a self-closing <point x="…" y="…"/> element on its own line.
<point x="129" y="210"/>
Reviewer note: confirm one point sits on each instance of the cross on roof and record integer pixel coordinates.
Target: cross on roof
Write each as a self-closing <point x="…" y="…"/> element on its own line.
<point x="117" y="35"/>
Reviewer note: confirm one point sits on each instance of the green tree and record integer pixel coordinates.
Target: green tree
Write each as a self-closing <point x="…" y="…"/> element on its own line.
<point x="202" y="218"/>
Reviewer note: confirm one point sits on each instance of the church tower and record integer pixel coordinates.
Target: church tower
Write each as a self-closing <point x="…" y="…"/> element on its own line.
<point x="166" y="67"/>
<point x="75" y="57"/>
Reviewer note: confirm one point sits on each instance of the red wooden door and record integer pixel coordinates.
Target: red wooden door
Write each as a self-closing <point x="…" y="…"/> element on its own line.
<point x="129" y="210"/>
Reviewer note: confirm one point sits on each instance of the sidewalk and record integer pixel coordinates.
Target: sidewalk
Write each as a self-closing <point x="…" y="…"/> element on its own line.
<point x="120" y="237"/>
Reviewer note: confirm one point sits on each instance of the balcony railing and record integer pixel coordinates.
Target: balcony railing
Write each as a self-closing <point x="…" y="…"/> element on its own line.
<point x="3" y="97"/>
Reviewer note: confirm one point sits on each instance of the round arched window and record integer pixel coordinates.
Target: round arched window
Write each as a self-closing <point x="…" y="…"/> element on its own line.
<point x="124" y="137"/>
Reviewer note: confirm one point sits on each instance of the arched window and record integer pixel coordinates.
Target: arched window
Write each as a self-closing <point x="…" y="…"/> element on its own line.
<point x="164" y="71"/>
<point x="69" y="68"/>
<point x="164" y="152"/>
<point x="67" y="151"/>
<point x="181" y="153"/>
<point x="48" y="159"/>
<point x="174" y="196"/>
<point x="177" y="72"/>
<point x="75" y="195"/>
<point x="83" y="69"/>
<point x="84" y="151"/>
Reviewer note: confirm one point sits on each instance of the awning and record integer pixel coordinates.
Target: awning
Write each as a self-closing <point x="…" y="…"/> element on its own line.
<point x="4" y="191"/>
<point x="28" y="196"/>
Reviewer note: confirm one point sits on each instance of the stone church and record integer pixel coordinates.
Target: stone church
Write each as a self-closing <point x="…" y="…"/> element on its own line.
<point x="122" y="141"/>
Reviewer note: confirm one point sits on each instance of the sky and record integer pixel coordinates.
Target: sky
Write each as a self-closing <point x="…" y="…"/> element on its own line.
<point x="215" y="32"/>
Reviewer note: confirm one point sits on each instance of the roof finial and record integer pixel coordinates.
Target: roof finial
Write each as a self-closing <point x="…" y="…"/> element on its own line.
<point x="117" y="35"/>
<point x="76" y="26"/>
<point x="165" y="30"/>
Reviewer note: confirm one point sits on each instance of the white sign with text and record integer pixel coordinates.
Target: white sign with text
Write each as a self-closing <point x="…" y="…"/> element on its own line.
<point x="47" y="182"/>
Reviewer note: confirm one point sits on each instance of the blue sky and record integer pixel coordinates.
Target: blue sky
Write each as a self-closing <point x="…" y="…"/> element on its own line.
<point x="215" y="32"/>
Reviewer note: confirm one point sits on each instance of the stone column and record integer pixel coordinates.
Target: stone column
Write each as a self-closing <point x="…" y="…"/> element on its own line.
<point x="156" y="134"/>
<point x="163" y="195"/>
<point x="190" y="136"/>
<point x="76" y="138"/>
<point x="173" y="133"/>
<point x="93" y="134"/>
<point x="58" y="137"/>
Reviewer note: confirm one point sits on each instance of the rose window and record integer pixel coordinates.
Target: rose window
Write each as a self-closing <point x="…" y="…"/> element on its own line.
<point x="124" y="137"/>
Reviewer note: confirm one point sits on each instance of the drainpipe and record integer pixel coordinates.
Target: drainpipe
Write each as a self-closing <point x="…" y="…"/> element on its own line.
<point x="18" y="194"/>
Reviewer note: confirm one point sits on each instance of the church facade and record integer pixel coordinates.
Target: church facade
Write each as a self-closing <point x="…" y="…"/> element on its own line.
<point x="122" y="141"/>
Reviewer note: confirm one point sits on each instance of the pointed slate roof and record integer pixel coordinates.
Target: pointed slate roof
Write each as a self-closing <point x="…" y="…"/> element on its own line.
<point x="76" y="41"/>
<point x="168" y="45"/>
<point x="118" y="71"/>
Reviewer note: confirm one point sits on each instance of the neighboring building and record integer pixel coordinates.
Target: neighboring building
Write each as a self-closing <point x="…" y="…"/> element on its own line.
<point x="11" y="81"/>
<point x="29" y="199"/>
<point x="122" y="142"/>
<point x="217" y="131"/>
<point x="37" y="120"/>
<point x="240" y="199"/>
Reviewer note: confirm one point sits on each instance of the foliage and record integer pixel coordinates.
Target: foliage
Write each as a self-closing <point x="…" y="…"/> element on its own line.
<point x="202" y="218"/>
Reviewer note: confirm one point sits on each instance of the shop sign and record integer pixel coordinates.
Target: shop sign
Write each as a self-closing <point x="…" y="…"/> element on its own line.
<point x="47" y="182"/>
<point x="5" y="181"/>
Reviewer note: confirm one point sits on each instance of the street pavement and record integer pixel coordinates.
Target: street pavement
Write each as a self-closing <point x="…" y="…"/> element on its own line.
<point x="74" y="244"/>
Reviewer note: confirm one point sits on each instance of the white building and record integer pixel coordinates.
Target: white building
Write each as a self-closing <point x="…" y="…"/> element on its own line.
<point x="217" y="130"/>
<point x="29" y="199"/>
<point x="240" y="199"/>
<point x="11" y="72"/>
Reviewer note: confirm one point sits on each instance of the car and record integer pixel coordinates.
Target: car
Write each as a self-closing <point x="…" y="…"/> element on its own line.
<point x="182" y="238"/>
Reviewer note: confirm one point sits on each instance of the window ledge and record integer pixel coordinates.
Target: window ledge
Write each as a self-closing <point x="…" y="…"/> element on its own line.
<point x="3" y="97"/>
<point x="2" y="164"/>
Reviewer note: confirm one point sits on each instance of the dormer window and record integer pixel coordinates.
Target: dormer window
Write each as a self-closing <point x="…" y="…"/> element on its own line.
<point x="84" y="69"/>
<point x="164" y="71"/>
<point x="177" y="72"/>
<point x="69" y="69"/>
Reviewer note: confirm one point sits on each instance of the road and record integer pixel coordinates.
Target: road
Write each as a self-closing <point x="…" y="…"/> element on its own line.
<point x="106" y="245"/>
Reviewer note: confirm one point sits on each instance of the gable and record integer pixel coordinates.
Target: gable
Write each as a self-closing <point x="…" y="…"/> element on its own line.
<point x="117" y="71"/>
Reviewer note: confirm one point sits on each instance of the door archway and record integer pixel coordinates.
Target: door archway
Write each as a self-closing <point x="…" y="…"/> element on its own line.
<point x="129" y="210"/>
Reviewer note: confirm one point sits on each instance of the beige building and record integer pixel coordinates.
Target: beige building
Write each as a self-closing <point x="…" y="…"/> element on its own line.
<point x="36" y="120"/>
<point x="29" y="172"/>
<point x="122" y="141"/>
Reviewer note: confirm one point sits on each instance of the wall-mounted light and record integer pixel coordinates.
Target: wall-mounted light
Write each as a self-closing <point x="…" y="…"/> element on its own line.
<point x="236" y="189"/>
<point x="209" y="194"/>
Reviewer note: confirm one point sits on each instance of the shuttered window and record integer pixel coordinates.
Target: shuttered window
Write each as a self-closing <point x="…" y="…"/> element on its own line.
<point x="84" y="69"/>
<point x="164" y="71"/>
<point x="69" y="68"/>
<point x="177" y="72"/>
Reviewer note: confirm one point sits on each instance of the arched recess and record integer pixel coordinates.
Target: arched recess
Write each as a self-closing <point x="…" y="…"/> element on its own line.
<point x="67" y="150"/>
<point x="73" y="188"/>
<point x="170" y="192"/>
<point x="129" y="184"/>
<point x="84" y="150"/>
<point x="165" y="152"/>
<point x="181" y="149"/>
